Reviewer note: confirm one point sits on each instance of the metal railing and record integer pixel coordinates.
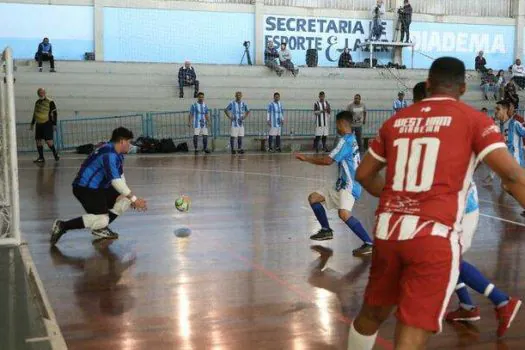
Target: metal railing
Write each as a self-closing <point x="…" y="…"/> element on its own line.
<point x="476" y="8"/>
<point x="71" y="133"/>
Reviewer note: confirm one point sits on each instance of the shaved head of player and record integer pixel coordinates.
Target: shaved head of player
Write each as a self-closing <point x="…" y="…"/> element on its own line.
<point x="447" y="77"/>
<point x="419" y="92"/>
<point x="415" y="265"/>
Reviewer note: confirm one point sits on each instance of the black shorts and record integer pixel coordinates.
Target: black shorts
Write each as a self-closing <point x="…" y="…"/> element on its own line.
<point x="44" y="131"/>
<point x="96" y="201"/>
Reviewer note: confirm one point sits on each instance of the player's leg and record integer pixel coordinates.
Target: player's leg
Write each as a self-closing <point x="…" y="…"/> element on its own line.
<point x="119" y="205"/>
<point x="196" y="133"/>
<point x="97" y="217"/>
<point x="49" y="139"/>
<point x="233" y="135"/>
<point x="381" y="295"/>
<point x="324" y="138"/>
<point x="430" y="272"/>
<point x="239" y="139"/>
<point x="278" y="140"/>
<point x="317" y="138"/>
<point x="39" y="140"/>
<point x="346" y="205"/>
<point x="316" y="200"/>
<point x="204" y="132"/>
<point x="271" y="134"/>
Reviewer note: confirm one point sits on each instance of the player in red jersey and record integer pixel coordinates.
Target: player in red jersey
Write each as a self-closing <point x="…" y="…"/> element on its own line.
<point x="430" y="150"/>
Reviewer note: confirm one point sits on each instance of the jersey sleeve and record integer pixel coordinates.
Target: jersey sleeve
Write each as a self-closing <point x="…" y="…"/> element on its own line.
<point x="246" y="109"/>
<point x="229" y="107"/>
<point x="486" y="136"/>
<point x="111" y="163"/>
<point x="192" y="110"/>
<point x="339" y="152"/>
<point x="520" y="129"/>
<point x="378" y="146"/>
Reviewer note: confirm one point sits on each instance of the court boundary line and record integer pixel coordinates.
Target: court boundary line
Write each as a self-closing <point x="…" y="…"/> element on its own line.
<point x="54" y="334"/>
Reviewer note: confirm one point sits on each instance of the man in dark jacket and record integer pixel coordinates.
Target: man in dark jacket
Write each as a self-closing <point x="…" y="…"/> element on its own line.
<point x="270" y="59"/>
<point x="405" y="16"/>
<point x="45" y="117"/>
<point x="188" y="77"/>
<point x="345" y="60"/>
<point x="480" y="62"/>
<point x="45" y="53"/>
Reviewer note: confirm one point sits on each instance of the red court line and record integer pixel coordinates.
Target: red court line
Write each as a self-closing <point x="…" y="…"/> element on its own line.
<point x="385" y="344"/>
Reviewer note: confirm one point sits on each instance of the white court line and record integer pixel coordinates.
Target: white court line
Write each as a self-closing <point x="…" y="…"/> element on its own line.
<point x="38" y="339"/>
<point x="504" y="220"/>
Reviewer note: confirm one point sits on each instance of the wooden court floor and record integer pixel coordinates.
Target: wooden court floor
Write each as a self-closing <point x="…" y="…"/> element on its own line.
<point x="243" y="279"/>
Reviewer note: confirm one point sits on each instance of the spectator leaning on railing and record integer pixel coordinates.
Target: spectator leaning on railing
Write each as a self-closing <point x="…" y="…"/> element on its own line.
<point x="270" y="59"/>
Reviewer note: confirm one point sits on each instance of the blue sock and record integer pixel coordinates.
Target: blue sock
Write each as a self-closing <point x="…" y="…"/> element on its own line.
<point x="320" y="214"/>
<point x="359" y="230"/>
<point x="463" y="295"/>
<point x="475" y="280"/>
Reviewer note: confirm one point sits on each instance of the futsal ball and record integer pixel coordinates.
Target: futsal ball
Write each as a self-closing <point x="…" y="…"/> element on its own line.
<point x="183" y="203"/>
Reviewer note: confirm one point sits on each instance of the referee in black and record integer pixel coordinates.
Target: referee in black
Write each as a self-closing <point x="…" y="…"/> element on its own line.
<point x="45" y="117"/>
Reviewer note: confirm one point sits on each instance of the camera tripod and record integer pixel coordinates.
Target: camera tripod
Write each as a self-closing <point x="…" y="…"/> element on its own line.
<point x="247" y="54"/>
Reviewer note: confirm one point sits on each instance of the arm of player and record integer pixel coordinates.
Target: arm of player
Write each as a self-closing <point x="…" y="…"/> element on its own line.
<point x="118" y="182"/>
<point x="520" y="129"/>
<point x="317" y="110"/>
<point x="364" y="115"/>
<point x="326" y="160"/>
<point x="511" y="173"/>
<point x="227" y="111"/>
<point x="368" y="175"/>
<point x="246" y="112"/>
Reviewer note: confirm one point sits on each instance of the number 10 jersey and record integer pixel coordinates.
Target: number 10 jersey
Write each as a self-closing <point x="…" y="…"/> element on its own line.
<point x="430" y="150"/>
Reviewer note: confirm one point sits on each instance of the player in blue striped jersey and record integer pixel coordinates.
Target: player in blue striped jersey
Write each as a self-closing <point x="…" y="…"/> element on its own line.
<point x="469" y="276"/>
<point x="199" y="118"/>
<point x="275" y="119"/>
<point x="346" y="191"/>
<point x="101" y="188"/>
<point x="237" y="111"/>
<point x="513" y="131"/>
<point x="400" y="103"/>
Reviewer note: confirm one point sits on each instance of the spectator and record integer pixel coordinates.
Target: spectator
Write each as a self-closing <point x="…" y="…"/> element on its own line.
<point x="322" y="111"/>
<point x="488" y="84"/>
<point x="518" y="74"/>
<point x="500" y="84"/>
<point x="285" y="57"/>
<point x="405" y="16"/>
<point x="345" y="60"/>
<point x="358" y="110"/>
<point x="270" y="59"/>
<point x="188" y="77"/>
<point x="480" y="63"/>
<point x="511" y="95"/>
<point x="400" y="103"/>
<point x="45" y="117"/>
<point x="45" y="53"/>
<point x="378" y="11"/>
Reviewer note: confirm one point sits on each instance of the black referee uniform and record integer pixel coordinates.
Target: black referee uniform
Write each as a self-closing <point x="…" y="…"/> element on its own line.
<point x="322" y="112"/>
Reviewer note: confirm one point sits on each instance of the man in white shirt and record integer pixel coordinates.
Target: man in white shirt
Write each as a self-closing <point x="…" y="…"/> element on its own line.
<point x="378" y="12"/>
<point x="518" y="73"/>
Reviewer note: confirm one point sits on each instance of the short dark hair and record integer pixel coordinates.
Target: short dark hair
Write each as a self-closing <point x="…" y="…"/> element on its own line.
<point x="200" y="94"/>
<point x="504" y="103"/>
<point x="446" y="73"/>
<point x="357" y="95"/>
<point x="321" y="93"/>
<point x="419" y="91"/>
<point x="276" y="94"/>
<point x="484" y="109"/>
<point x="346" y="116"/>
<point x="121" y="133"/>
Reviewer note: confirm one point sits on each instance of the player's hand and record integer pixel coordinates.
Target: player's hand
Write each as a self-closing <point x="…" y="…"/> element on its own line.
<point x="300" y="156"/>
<point x="140" y="204"/>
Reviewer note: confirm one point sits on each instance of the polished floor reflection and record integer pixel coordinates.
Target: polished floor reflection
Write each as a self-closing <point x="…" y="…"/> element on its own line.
<point x="243" y="279"/>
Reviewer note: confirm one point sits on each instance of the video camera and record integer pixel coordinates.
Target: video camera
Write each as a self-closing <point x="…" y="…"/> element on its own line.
<point x="246" y="44"/>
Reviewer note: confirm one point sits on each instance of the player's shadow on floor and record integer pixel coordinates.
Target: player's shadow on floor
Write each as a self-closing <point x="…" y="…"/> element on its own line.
<point x="100" y="286"/>
<point x="331" y="280"/>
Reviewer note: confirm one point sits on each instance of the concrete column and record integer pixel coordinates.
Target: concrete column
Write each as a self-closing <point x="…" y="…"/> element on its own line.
<point x="99" y="29"/>
<point x="518" y="13"/>
<point x="259" y="44"/>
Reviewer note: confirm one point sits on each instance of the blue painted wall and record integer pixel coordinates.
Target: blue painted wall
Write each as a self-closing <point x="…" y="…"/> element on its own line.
<point x="146" y="35"/>
<point x="69" y="28"/>
<point x="462" y="41"/>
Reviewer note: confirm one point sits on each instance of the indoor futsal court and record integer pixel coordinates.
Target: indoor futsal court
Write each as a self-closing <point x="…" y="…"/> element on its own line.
<point x="244" y="278"/>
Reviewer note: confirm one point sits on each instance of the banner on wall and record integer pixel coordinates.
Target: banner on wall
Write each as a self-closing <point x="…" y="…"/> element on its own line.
<point x="329" y="36"/>
<point x="462" y="41"/>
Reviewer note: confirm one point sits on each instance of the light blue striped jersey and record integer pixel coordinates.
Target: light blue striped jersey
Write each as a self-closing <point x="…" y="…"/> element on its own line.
<point x="275" y="114"/>
<point x="472" y="199"/>
<point x="346" y="154"/>
<point x="237" y="110"/>
<point x="198" y="111"/>
<point x="397" y="105"/>
<point x="514" y="133"/>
